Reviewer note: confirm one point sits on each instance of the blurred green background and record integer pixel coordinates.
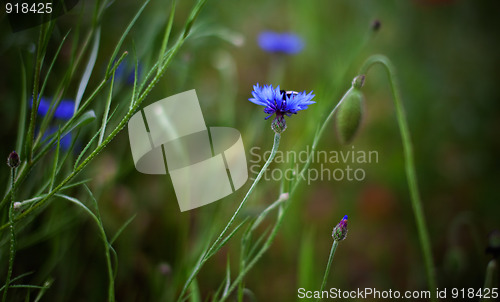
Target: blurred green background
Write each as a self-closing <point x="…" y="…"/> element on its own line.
<point x="446" y="56"/>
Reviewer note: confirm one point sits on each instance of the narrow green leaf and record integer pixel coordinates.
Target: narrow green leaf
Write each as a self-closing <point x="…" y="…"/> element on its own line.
<point x="228" y="237"/>
<point x="88" y="69"/>
<point x="56" y="55"/>
<point x="27" y="286"/>
<point x="89" y="144"/>
<point x="56" y="160"/>
<point x="80" y="204"/>
<point x="125" y="33"/>
<point x="17" y="278"/>
<point x="257" y="243"/>
<point x="47" y="285"/>
<point x="228" y="277"/>
<point x="195" y="292"/>
<point x="106" y="110"/>
<point x="192" y="17"/>
<point x="166" y="35"/>
<point x="22" y="113"/>
<point x="86" y="118"/>
<point x="134" y="96"/>
<point x="121" y="229"/>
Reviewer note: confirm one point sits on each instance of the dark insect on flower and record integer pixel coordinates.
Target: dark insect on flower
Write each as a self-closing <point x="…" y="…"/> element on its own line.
<point x="280" y="102"/>
<point x="340" y="230"/>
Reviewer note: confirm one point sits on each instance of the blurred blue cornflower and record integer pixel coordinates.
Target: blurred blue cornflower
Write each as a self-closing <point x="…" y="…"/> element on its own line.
<point x="125" y="72"/>
<point x="64" y="110"/>
<point x="280" y="102"/>
<point x="285" y="43"/>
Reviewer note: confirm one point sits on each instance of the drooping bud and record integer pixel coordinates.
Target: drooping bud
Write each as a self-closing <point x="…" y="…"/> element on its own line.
<point x="376" y="25"/>
<point x="279" y="124"/>
<point x="13" y="160"/>
<point x="350" y="114"/>
<point x="340" y="230"/>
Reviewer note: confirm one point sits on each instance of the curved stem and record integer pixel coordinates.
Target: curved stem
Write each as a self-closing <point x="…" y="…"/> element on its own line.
<point x="316" y="140"/>
<point x="329" y="264"/>
<point x="409" y="165"/>
<point x="215" y="245"/>
<point x="12" y="234"/>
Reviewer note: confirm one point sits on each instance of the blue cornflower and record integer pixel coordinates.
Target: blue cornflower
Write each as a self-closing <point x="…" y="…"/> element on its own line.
<point x="286" y="43"/>
<point x="280" y="102"/>
<point x="64" y="110"/>
<point x="125" y="72"/>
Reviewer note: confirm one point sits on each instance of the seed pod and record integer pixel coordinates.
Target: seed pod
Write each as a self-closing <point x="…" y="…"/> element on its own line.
<point x="349" y="116"/>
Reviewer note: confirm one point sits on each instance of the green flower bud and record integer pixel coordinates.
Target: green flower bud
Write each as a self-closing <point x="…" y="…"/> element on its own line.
<point x="349" y="116"/>
<point x="279" y="124"/>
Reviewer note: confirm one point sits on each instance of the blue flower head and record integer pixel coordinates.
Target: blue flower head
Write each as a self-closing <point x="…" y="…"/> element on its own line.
<point x="285" y="43"/>
<point x="64" y="110"/>
<point x="280" y="102"/>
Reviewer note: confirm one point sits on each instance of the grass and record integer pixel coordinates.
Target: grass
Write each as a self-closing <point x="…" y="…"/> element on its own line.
<point x="85" y="203"/>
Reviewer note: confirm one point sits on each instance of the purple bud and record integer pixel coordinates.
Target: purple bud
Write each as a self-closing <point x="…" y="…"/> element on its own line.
<point x="340" y="230"/>
<point x="376" y="25"/>
<point x="13" y="160"/>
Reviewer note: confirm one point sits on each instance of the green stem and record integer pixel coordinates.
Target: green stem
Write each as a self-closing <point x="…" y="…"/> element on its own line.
<point x="261" y="252"/>
<point x="215" y="245"/>
<point x="409" y="166"/>
<point x="328" y="266"/>
<point x="12" y="234"/>
<point x="316" y="141"/>
<point x="111" y="284"/>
